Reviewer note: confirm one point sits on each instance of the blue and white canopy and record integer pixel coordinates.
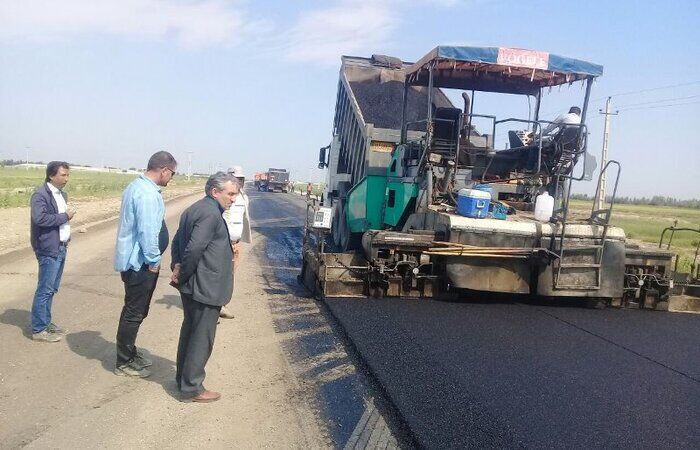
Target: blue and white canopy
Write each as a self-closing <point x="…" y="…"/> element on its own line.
<point x="499" y="69"/>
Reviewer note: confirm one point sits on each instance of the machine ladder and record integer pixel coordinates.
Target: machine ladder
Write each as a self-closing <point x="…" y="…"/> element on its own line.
<point x="575" y="260"/>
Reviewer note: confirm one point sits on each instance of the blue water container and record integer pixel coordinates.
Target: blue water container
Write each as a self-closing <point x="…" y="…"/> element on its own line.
<point x="473" y="203"/>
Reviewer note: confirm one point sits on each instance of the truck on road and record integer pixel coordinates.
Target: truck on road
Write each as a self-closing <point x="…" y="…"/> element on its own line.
<point x="261" y="181"/>
<point x="277" y="180"/>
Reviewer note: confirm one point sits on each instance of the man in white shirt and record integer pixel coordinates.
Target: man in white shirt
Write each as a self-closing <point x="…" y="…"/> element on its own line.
<point x="238" y="223"/>
<point x="573" y="117"/>
<point x="50" y="233"/>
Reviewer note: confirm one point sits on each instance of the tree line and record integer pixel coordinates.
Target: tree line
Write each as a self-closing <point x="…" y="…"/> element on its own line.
<point x="656" y="200"/>
<point x="16" y="162"/>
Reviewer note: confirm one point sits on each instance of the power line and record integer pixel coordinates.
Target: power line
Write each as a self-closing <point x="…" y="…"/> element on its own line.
<point x="595" y="100"/>
<point x="648" y="90"/>
<point x="663" y="100"/>
<point x="660" y="106"/>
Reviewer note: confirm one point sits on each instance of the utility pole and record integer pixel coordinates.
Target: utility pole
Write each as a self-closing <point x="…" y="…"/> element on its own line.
<point x="604" y="156"/>
<point x="27" y="150"/>
<point x="189" y="165"/>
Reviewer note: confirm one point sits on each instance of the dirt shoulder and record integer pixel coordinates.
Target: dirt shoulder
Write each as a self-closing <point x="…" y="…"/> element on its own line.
<point x="15" y="221"/>
<point x="65" y="395"/>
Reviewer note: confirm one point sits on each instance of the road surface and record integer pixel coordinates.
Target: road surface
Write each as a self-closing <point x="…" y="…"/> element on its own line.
<point x="347" y="373"/>
<point x="286" y="380"/>
<point x="505" y="374"/>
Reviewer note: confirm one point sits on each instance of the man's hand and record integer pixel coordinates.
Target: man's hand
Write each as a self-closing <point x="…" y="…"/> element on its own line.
<point x="154" y="269"/>
<point x="236" y="254"/>
<point x="174" y="278"/>
<point x="71" y="212"/>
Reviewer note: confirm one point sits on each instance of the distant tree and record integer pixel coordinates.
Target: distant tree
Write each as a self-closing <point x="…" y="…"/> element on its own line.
<point x="656" y="200"/>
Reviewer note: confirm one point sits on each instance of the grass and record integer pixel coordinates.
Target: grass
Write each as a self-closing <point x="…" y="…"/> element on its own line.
<point x="646" y="222"/>
<point x="317" y="188"/>
<point x="18" y="184"/>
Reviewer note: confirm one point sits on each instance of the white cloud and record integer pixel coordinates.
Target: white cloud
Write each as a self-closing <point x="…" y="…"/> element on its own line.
<point x="350" y="27"/>
<point x="193" y="23"/>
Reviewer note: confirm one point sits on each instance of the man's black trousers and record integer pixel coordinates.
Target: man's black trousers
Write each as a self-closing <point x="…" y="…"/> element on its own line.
<point x="138" y="291"/>
<point x="196" y="343"/>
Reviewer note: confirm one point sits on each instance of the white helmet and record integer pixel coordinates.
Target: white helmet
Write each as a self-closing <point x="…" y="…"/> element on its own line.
<point x="236" y="171"/>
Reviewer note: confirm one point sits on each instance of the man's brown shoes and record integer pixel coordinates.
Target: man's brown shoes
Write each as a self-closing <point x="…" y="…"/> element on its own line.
<point x="206" y="397"/>
<point x="225" y="313"/>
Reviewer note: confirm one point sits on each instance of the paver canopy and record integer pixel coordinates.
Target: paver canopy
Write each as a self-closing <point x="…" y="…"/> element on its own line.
<point x="499" y="69"/>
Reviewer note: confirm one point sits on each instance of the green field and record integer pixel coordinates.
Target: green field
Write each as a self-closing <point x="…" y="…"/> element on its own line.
<point x="17" y="184"/>
<point x="646" y="222"/>
<point x="317" y="189"/>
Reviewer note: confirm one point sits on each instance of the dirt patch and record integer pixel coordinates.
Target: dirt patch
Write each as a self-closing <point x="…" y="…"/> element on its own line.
<point x="15" y="221"/>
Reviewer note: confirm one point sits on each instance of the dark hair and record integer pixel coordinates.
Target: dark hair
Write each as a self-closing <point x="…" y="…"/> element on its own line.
<point x="575" y="109"/>
<point x="160" y="160"/>
<point x="52" y="168"/>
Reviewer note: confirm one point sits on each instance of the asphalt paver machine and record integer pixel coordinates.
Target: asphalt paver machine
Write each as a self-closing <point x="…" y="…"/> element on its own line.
<point x="401" y="154"/>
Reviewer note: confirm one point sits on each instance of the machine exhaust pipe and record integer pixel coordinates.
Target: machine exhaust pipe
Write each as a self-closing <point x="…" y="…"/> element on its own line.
<point x="467" y="102"/>
<point x="466" y="126"/>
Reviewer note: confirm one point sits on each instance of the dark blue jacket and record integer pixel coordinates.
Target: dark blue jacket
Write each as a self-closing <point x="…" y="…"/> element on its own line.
<point x="45" y="222"/>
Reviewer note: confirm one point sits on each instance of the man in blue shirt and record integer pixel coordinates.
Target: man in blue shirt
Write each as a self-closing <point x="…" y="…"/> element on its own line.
<point x="141" y="239"/>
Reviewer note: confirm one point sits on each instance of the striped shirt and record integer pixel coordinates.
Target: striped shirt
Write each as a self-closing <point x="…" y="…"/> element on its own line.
<point x="140" y="221"/>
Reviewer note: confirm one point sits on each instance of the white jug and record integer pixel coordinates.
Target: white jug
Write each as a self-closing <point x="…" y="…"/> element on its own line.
<point x="544" y="207"/>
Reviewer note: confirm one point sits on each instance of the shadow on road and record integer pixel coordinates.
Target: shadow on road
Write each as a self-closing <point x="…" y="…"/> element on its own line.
<point x="170" y="301"/>
<point x="18" y="317"/>
<point x="91" y="345"/>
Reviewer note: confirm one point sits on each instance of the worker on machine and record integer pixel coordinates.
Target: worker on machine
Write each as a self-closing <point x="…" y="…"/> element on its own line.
<point x="573" y="117"/>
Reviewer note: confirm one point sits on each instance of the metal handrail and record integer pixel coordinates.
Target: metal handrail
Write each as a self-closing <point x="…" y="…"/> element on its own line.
<point x="673" y="229"/>
<point x="594" y="210"/>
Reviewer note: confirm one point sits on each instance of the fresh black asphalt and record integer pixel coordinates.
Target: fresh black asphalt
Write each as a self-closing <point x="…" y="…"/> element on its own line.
<point x="511" y="374"/>
<point x="514" y="375"/>
<point x="312" y="347"/>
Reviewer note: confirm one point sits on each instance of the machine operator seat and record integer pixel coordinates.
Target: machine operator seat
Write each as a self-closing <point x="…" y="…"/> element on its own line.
<point x="568" y="138"/>
<point x="563" y="150"/>
<point x="557" y="151"/>
<point x="445" y="131"/>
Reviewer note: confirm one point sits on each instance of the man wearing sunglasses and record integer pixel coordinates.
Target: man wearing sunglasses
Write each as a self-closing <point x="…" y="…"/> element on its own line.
<point x="142" y="238"/>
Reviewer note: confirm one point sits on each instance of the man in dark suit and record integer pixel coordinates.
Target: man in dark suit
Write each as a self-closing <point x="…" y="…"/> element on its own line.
<point x="50" y="233"/>
<point x="203" y="272"/>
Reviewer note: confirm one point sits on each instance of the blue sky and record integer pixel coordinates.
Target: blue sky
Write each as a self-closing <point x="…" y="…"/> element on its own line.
<point x="254" y="82"/>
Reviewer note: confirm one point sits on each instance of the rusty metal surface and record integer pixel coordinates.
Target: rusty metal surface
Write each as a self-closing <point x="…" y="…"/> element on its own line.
<point x="649" y="258"/>
<point x="612" y="280"/>
<point x="334" y="274"/>
<point x="481" y="274"/>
